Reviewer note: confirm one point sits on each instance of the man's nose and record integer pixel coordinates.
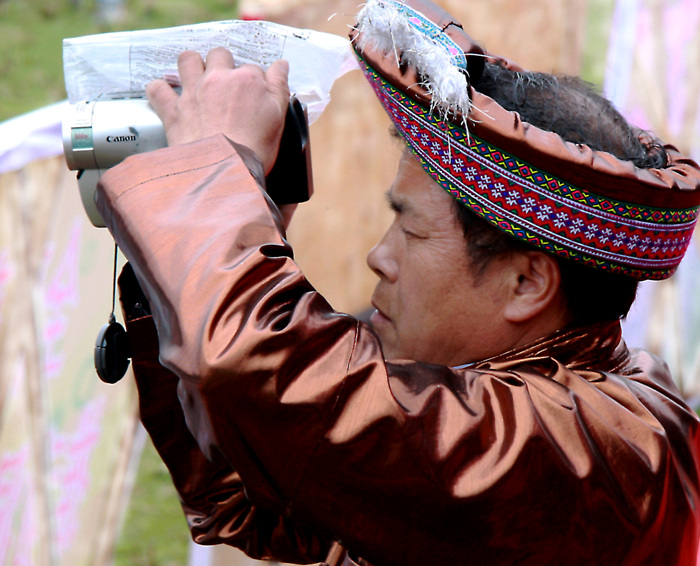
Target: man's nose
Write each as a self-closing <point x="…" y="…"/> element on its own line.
<point x="382" y="261"/>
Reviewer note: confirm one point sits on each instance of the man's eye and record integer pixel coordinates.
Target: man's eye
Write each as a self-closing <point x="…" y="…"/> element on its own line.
<point x="410" y="234"/>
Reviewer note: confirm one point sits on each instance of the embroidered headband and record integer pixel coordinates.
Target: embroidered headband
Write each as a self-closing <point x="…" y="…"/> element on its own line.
<point x="564" y="198"/>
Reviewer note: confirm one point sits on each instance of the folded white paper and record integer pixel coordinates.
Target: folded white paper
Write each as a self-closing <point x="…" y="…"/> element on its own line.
<point x="111" y="64"/>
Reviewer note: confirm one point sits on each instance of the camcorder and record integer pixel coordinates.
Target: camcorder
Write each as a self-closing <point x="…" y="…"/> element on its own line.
<point x="100" y="134"/>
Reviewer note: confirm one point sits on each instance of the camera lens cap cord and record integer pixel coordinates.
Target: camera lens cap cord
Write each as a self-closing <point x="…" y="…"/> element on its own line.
<point x="112" y="351"/>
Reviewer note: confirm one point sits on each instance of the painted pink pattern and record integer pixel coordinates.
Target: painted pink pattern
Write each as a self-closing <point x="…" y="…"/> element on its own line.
<point x="656" y="45"/>
<point x="73" y="444"/>
<point x="6" y="274"/>
<point x="61" y="300"/>
<point x="14" y="495"/>
<point x="20" y="503"/>
<point x="27" y="531"/>
<point x="72" y="455"/>
<point x="75" y="423"/>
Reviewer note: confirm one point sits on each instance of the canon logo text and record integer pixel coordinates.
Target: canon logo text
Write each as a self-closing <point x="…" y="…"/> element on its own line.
<point x="112" y="139"/>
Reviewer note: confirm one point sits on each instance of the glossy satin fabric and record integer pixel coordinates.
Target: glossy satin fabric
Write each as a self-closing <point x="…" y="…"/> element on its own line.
<point x="284" y="429"/>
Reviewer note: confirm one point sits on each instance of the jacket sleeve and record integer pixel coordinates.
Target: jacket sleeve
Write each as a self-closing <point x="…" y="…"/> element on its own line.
<point x="211" y="492"/>
<point x="405" y="463"/>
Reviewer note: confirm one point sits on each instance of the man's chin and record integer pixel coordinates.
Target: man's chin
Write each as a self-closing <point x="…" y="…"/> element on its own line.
<point x="391" y="349"/>
<point x="388" y="348"/>
<point x="386" y="331"/>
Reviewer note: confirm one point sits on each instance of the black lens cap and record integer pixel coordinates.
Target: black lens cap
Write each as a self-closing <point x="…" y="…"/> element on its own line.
<point x="112" y="352"/>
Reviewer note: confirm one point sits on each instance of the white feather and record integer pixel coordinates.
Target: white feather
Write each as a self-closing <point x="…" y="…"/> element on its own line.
<point x="386" y="28"/>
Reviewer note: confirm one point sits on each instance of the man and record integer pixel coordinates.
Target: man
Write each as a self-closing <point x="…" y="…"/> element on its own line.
<point x="485" y="418"/>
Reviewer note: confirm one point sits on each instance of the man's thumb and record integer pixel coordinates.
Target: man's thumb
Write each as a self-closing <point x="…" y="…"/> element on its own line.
<point x="277" y="78"/>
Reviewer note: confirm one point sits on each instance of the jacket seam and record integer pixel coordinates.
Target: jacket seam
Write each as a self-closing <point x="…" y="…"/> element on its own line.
<point x="166" y="175"/>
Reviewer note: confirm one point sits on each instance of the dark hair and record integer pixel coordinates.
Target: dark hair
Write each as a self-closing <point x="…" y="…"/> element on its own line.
<point x="571" y="108"/>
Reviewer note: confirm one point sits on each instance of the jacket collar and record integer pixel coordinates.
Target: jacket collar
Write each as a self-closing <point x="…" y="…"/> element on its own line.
<point x="599" y="346"/>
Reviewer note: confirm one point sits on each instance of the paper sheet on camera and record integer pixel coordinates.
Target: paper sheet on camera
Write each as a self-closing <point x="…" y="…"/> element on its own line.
<point x="115" y="64"/>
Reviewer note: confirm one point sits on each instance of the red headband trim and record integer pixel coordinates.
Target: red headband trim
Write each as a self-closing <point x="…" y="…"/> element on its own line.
<point x="534" y="206"/>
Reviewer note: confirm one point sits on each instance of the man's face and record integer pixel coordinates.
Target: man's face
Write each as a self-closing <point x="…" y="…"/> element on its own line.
<point x="430" y="305"/>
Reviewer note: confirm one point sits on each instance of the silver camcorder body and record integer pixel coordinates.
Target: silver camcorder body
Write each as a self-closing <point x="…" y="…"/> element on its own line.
<point x="100" y="134"/>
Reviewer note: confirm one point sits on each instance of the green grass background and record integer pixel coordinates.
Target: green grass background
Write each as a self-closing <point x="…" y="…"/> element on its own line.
<point x="32" y="31"/>
<point x="31" y="76"/>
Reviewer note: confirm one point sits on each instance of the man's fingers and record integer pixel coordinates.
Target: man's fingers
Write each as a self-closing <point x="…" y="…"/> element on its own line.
<point x="162" y="97"/>
<point x="220" y="57"/>
<point x="245" y="103"/>
<point x="190" y="66"/>
<point x="277" y="78"/>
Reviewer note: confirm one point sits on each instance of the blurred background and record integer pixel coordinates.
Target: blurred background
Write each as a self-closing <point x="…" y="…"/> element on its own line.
<point x="80" y="483"/>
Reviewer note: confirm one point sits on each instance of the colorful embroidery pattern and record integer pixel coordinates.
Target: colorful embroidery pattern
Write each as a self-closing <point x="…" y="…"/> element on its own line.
<point x="533" y="206"/>
<point x="427" y="28"/>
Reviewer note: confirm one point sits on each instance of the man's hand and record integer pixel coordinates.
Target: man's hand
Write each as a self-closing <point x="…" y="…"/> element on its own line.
<point x="246" y="104"/>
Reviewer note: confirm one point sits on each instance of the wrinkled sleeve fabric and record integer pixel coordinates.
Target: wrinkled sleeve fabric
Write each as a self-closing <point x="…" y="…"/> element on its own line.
<point x="405" y="463"/>
<point x="210" y="490"/>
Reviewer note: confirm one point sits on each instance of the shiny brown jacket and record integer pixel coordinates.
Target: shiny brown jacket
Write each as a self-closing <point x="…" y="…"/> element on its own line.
<point x="284" y="428"/>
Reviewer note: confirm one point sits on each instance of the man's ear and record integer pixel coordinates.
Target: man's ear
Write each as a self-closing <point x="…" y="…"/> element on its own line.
<point x="535" y="288"/>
